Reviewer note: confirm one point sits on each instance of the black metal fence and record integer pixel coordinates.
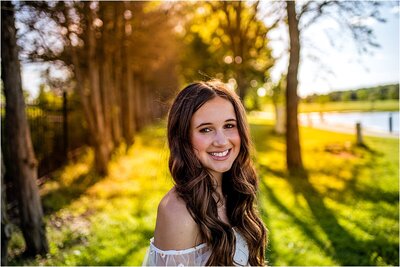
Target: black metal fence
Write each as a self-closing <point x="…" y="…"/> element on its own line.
<point x="57" y="130"/>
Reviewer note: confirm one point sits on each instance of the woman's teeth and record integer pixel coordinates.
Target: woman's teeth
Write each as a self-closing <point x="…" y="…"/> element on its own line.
<point x="220" y="154"/>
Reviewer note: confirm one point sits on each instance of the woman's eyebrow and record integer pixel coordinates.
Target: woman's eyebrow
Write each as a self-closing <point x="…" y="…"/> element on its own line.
<point x="209" y="123"/>
<point x="204" y="124"/>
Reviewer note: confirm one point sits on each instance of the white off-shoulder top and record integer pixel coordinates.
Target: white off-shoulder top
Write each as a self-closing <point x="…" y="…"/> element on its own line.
<point x="196" y="256"/>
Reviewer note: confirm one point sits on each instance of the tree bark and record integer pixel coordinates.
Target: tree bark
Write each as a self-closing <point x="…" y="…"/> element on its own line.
<point x="111" y="105"/>
<point x="293" y="150"/>
<point x="5" y="226"/>
<point x="117" y="128"/>
<point x="101" y="136"/>
<point x="22" y="164"/>
<point x="127" y="87"/>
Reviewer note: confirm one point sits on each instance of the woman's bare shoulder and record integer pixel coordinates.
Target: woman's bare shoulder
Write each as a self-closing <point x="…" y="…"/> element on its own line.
<point x="175" y="228"/>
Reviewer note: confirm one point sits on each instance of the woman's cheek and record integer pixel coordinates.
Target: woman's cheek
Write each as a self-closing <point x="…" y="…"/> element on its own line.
<point x="234" y="135"/>
<point x="200" y="141"/>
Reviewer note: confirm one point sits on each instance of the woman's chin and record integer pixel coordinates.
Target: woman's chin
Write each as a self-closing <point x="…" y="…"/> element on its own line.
<point x="221" y="169"/>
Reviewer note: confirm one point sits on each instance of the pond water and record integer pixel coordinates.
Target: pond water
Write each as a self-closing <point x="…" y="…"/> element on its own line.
<point x="370" y="121"/>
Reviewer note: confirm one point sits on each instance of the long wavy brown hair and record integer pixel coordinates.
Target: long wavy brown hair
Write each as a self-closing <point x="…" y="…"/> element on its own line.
<point x="195" y="186"/>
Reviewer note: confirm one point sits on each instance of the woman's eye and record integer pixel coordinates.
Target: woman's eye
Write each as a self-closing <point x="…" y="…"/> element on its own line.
<point x="229" y="125"/>
<point x="205" y="130"/>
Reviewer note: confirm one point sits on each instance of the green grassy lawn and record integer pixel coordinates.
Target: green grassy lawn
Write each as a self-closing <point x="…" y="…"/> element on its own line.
<point x="344" y="211"/>
<point x="379" y="105"/>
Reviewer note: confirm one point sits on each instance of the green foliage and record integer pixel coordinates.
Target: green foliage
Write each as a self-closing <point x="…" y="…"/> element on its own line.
<point x="279" y="91"/>
<point x="382" y="92"/>
<point x="48" y="100"/>
<point x="210" y="48"/>
<point x="344" y="212"/>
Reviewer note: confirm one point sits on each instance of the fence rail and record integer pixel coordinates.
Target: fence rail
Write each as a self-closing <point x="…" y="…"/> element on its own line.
<point x="57" y="128"/>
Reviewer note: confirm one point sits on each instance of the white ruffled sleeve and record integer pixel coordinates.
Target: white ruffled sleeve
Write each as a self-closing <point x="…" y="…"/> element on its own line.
<point x="196" y="256"/>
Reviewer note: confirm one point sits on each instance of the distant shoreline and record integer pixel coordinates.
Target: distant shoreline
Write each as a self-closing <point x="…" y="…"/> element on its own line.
<point x="350" y="106"/>
<point x="350" y="130"/>
<point x="332" y="127"/>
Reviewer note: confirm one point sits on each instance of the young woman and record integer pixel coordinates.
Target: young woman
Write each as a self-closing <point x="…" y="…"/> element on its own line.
<point x="209" y="217"/>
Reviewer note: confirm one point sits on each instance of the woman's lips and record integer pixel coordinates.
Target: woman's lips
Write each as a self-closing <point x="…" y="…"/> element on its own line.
<point x="223" y="155"/>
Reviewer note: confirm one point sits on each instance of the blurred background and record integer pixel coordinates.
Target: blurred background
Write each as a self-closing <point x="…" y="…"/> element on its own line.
<point x="86" y="87"/>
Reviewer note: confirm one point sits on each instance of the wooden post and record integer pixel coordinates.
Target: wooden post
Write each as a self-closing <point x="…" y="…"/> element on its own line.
<point x="65" y="125"/>
<point x="390" y="123"/>
<point x="359" y="134"/>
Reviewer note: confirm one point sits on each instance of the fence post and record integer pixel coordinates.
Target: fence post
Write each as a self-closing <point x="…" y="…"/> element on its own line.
<point x="359" y="134"/>
<point x="390" y="122"/>
<point x="65" y="125"/>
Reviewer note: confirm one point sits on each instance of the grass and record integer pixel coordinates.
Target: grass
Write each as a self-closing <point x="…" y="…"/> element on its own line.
<point x="342" y="211"/>
<point x="378" y="105"/>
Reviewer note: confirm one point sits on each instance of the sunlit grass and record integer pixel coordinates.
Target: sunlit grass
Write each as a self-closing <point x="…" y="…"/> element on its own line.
<point x="104" y="221"/>
<point x="344" y="212"/>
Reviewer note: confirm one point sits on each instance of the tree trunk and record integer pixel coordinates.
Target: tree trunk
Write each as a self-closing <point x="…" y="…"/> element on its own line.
<point x="138" y="105"/>
<point x="110" y="49"/>
<point x="280" y="118"/>
<point x="23" y="168"/>
<point x="241" y="83"/>
<point x="117" y="75"/>
<point x="105" y="62"/>
<point x="127" y="87"/>
<point x="101" y="136"/>
<point x="87" y="68"/>
<point x="293" y="151"/>
<point x="5" y="226"/>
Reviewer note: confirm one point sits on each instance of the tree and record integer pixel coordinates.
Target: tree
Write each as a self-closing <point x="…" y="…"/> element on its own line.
<point x="110" y="49"/>
<point x="349" y="15"/>
<point x="293" y="150"/>
<point x="5" y="225"/>
<point x="227" y="40"/>
<point x="393" y="91"/>
<point x="20" y="161"/>
<point x="278" y="99"/>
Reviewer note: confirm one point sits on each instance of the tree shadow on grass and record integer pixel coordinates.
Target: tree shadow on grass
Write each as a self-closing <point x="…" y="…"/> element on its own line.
<point x="57" y="199"/>
<point x="345" y="249"/>
<point x="371" y="193"/>
<point x="264" y="135"/>
<point x="307" y="229"/>
<point x="343" y="245"/>
<point x="354" y="188"/>
<point x="143" y="241"/>
<point x="120" y="259"/>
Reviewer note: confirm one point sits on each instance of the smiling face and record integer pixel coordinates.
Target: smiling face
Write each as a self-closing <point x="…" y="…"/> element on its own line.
<point x="214" y="135"/>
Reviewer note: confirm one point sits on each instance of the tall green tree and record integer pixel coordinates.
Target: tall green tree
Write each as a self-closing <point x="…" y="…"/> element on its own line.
<point x="110" y="48"/>
<point x="20" y="160"/>
<point x="300" y="16"/>
<point x="293" y="150"/>
<point x="227" y="40"/>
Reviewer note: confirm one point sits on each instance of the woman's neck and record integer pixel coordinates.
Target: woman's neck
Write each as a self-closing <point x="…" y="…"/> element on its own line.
<point x="217" y="182"/>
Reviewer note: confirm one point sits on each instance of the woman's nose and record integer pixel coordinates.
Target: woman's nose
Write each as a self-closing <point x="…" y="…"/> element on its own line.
<point x="220" y="139"/>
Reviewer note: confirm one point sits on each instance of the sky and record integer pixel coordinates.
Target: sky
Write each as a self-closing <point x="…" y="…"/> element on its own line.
<point x="323" y="68"/>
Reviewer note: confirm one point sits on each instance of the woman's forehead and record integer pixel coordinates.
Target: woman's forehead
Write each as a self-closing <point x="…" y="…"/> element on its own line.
<point x="215" y="110"/>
